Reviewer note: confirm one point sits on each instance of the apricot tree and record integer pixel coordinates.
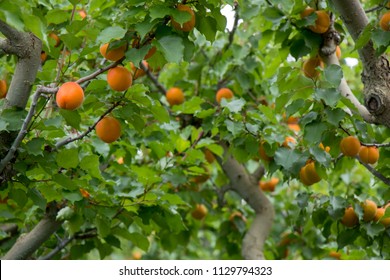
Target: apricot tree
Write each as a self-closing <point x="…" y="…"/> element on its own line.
<point x="182" y="124"/>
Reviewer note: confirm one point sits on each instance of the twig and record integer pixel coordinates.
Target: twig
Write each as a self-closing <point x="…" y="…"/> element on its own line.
<point x="376" y="173"/>
<point x="98" y="72"/>
<point x="60" y="246"/>
<point x="23" y="131"/>
<point x="159" y="86"/>
<point x="89" y="130"/>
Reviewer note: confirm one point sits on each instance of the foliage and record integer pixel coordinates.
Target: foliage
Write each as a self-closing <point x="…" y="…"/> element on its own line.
<point x="138" y="192"/>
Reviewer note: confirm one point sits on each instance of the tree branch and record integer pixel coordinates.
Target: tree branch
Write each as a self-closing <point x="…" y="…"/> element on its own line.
<point x="30" y="242"/>
<point x="247" y="187"/>
<point x="68" y="140"/>
<point x="154" y="79"/>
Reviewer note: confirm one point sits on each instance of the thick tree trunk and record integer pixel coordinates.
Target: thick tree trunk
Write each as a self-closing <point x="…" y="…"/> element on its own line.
<point x="375" y="76"/>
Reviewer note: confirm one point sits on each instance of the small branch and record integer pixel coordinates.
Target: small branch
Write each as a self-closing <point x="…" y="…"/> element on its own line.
<point x="9" y="32"/>
<point x="89" y="130"/>
<point x="98" y="72"/>
<point x="235" y="25"/>
<point x="60" y="246"/>
<point x="376" y="173"/>
<point x="23" y="131"/>
<point x="159" y="86"/>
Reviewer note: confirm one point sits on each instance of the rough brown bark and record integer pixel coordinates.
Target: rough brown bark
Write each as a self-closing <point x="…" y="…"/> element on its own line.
<point x="375" y="76"/>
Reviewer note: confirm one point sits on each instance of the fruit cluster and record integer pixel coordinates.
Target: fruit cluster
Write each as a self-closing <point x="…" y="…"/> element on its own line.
<point x="371" y="212"/>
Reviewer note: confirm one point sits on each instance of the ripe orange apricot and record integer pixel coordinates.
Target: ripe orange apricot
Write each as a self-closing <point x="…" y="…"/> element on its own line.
<point x="294" y="127"/>
<point x="322" y="22"/>
<point x="380" y="213"/>
<point x="55" y="38"/>
<point x="326" y="149"/>
<point x="188" y="25"/>
<point x="369" y="210"/>
<point x="3" y="89"/>
<point x="199" y="212"/>
<point x="350" y="146"/>
<point x="338" y="52"/>
<point x="138" y="72"/>
<point x="43" y="56"/>
<point x="70" y="96"/>
<point x="263" y="155"/>
<point x="237" y="214"/>
<point x="309" y="175"/>
<point x="112" y="54"/>
<point x="119" y="78"/>
<point x="335" y="255"/>
<point x="384" y="22"/>
<point x="369" y="155"/>
<point x="84" y="193"/>
<point x="269" y="186"/>
<point x="310" y="65"/>
<point x="175" y="96"/>
<point x="223" y="93"/>
<point x="82" y="13"/>
<point x="350" y="219"/>
<point x="108" y="129"/>
<point x="289" y="141"/>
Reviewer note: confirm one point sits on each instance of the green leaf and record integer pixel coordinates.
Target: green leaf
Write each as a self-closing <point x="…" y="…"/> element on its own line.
<point x="68" y="158"/>
<point x="347" y="238"/>
<point x="208" y="27"/>
<point x="313" y="131"/>
<point x="139" y="240"/>
<point x="182" y="144"/>
<point x="299" y="49"/>
<point x="111" y="33"/>
<point x="64" y="181"/>
<point x="273" y="14"/>
<point x="329" y="95"/>
<point x="289" y="159"/>
<point x="269" y="113"/>
<point x="91" y="165"/>
<point x="34" y="146"/>
<point x="172" y="47"/>
<point x="335" y="116"/>
<point x="234" y="106"/>
<point x="12" y="119"/>
<point x="56" y="16"/>
<point x="333" y="74"/>
<point x="173" y="199"/>
<point x="235" y="128"/>
<point x="364" y="37"/>
<point x="103" y="225"/>
<point x="72" y="118"/>
<point x="19" y="196"/>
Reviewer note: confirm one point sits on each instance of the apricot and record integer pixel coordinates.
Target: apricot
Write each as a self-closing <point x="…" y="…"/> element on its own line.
<point x="175" y="96"/>
<point x="108" y="129"/>
<point x="338" y="52"/>
<point x="82" y="13"/>
<point x="237" y="214"/>
<point x="326" y="149"/>
<point x="138" y="72"/>
<point x="350" y="218"/>
<point x="369" y="155"/>
<point x="56" y="39"/>
<point x="70" y="96"/>
<point x="384" y="22"/>
<point x="188" y="25"/>
<point x="310" y="65"/>
<point x="199" y="212"/>
<point x="223" y="93"/>
<point x="119" y="78"/>
<point x="380" y="213"/>
<point x="322" y="22"/>
<point x="369" y="210"/>
<point x="294" y="127"/>
<point x="350" y="146"/>
<point x="113" y="54"/>
<point x="3" y="89"/>
<point x="263" y="155"/>
<point x="269" y="186"/>
<point x="289" y="141"/>
<point x="335" y="255"/>
<point x="308" y="174"/>
<point x="84" y="193"/>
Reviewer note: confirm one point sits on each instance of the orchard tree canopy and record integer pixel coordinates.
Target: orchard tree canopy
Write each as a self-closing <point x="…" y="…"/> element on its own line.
<point x="170" y="129"/>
